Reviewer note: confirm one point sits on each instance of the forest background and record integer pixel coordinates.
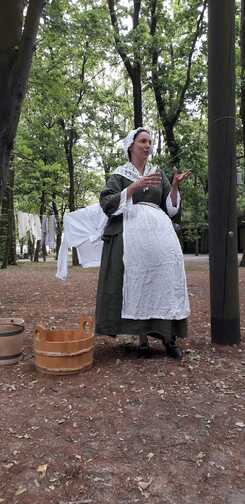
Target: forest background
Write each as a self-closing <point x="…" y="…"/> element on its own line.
<point x="98" y="70"/>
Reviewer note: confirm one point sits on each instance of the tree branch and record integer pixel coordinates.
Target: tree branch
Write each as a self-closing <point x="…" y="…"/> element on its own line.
<point x="188" y="72"/>
<point x="24" y="59"/>
<point x="118" y="42"/>
<point x="155" y="54"/>
<point x="137" y="5"/>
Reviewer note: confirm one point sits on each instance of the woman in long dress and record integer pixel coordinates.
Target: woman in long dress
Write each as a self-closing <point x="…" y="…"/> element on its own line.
<point x="142" y="284"/>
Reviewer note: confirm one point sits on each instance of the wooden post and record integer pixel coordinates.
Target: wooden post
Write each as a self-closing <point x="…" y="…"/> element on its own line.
<point x="225" y="314"/>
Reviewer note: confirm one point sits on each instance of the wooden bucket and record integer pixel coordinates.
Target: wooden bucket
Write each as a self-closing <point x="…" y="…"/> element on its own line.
<point x="64" y="351"/>
<point x="11" y="340"/>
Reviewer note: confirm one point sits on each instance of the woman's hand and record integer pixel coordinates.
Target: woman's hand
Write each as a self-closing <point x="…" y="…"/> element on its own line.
<point x="146" y="182"/>
<point x="179" y="177"/>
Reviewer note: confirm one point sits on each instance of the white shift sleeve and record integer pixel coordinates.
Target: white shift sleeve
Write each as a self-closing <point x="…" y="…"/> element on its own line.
<point x="124" y="203"/>
<point x="172" y="210"/>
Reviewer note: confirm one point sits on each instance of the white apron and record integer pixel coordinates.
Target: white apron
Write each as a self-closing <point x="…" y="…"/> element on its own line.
<point x="154" y="283"/>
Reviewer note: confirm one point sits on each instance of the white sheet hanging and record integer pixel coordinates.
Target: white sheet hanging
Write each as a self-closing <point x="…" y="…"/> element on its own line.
<point x="23" y="224"/>
<point x="82" y="229"/>
<point x="50" y="238"/>
<point x="37" y="230"/>
<point x="28" y="222"/>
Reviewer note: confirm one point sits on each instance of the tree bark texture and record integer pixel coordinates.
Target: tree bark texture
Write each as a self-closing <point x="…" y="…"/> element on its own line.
<point x="69" y="141"/>
<point x="242" y="105"/>
<point x="225" y="316"/>
<point x="41" y="214"/>
<point x="7" y="226"/>
<point x="59" y="224"/>
<point x="17" y="43"/>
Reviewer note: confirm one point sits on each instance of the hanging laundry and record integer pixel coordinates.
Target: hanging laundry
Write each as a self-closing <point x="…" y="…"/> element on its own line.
<point x="23" y="224"/>
<point x="44" y="230"/>
<point x="35" y="226"/>
<point x="82" y="229"/>
<point x="50" y="239"/>
<point x="27" y="222"/>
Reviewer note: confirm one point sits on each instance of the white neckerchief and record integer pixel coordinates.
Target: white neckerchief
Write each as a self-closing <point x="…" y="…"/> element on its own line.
<point x="130" y="171"/>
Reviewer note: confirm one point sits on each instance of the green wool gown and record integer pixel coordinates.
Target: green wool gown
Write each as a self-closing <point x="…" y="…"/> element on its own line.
<point x="110" y="284"/>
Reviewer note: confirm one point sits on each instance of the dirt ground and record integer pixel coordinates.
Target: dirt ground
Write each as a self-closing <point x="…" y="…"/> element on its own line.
<point x="128" y="430"/>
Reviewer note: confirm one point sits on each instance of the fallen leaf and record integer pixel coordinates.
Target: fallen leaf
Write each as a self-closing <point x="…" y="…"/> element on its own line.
<point x="143" y="485"/>
<point x="20" y="490"/>
<point x="149" y="456"/>
<point x="240" y="424"/>
<point x="42" y="469"/>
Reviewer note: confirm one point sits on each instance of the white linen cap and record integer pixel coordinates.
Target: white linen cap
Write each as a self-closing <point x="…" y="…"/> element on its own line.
<point x="129" y="139"/>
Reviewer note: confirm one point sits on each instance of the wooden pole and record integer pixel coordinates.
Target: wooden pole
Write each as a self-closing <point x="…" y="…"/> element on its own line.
<point x="223" y="261"/>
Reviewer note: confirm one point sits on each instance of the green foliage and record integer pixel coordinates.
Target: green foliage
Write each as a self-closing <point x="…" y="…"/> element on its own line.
<point x="79" y="96"/>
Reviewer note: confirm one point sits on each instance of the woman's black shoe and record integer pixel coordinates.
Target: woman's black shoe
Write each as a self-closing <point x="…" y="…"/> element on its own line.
<point x="144" y="350"/>
<point x="174" y="352"/>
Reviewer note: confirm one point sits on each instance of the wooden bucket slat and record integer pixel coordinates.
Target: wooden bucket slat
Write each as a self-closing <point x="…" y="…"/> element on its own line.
<point x="64" y="351"/>
<point x="11" y="340"/>
<point x="64" y="354"/>
<point x="63" y="371"/>
<point x="62" y="346"/>
<point x="12" y="321"/>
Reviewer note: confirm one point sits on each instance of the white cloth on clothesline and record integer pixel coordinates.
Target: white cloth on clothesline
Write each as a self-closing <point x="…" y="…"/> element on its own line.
<point x="35" y="226"/>
<point x="49" y="231"/>
<point x="50" y="239"/>
<point x="82" y="229"/>
<point x="23" y="224"/>
<point x="27" y="222"/>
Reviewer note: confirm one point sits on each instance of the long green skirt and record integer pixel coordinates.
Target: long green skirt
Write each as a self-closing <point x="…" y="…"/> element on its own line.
<point x="109" y="301"/>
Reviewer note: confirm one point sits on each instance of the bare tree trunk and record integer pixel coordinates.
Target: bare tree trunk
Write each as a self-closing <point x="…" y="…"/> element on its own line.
<point x="4" y="241"/>
<point x="59" y="226"/>
<point x="7" y="225"/>
<point x="224" y="289"/>
<point x="69" y="141"/>
<point x="16" y="51"/>
<point x="41" y="213"/>
<point x="137" y="96"/>
<point x="242" y="106"/>
<point x="12" y="228"/>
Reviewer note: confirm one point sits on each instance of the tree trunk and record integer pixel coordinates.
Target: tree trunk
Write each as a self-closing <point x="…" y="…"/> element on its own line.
<point x="12" y="227"/>
<point x="242" y="106"/>
<point x="137" y="96"/>
<point x="242" y="64"/>
<point x="133" y="66"/>
<point x="59" y="226"/>
<point x="4" y="242"/>
<point x="159" y="143"/>
<point x="41" y="213"/>
<point x="30" y="246"/>
<point x="224" y="292"/>
<point x="7" y="227"/>
<point x="16" y="51"/>
<point x="172" y="144"/>
<point x="197" y="246"/>
<point x="69" y="140"/>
